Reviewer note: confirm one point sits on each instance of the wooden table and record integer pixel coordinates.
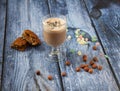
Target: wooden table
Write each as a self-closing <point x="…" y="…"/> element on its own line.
<point x="100" y="18"/>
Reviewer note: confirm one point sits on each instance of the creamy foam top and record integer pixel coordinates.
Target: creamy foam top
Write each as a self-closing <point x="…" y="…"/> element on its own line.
<point x="54" y="24"/>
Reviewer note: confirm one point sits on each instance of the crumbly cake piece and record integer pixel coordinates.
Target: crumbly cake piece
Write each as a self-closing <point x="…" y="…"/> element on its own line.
<point x="19" y="44"/>
<point x="31" y="37"/>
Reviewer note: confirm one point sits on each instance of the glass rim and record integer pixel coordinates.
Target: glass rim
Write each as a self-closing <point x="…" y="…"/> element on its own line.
<point x="54" y="16"/>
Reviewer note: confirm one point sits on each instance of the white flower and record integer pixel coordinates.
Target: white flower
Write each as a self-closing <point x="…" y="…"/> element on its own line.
<point x="69" y="37"/>
<point x="79" y="53"/>
<point x="66" y="30"/>
<point x="77" y="31"/>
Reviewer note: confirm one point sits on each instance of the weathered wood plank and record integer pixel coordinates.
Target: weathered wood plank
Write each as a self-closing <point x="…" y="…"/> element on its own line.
<point x="108" y="29"/>
<point x="2" y="32"/>
<point x="77" y="17"/>
<point x="19" y="67"/>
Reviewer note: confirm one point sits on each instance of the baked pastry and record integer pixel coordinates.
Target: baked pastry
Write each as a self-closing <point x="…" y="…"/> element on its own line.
<point x="19" y="44"/>
<point x="31" y="37"/>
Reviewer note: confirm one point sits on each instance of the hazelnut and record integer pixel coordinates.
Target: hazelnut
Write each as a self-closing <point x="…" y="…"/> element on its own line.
<point x="94" y="47"/>
<point x="38" y="72"/>
<point x="77" y="69"/>
<point x="86" y="65"/>
<point x="90" y="70"/>
<point x="91" y="62"/>
<point x="86" y="69"/>
<point x="94" y="66"/>
<point x="67" y="63"/>
<point x="95" y="59"/>
<point x="85" y="58"/>
<point x="50" y="77"/>
<point x="99" y="67"/>
<point x="82" y="65"/>
<point x="63" y="74"/>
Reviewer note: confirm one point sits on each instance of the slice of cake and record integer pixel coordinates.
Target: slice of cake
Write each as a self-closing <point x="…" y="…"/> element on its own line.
<point x="19" y="44"/>
<point x="31" y="37"/>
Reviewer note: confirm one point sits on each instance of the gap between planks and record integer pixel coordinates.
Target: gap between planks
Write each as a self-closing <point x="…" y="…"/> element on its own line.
<point x="4" y="43"/>
<point x="57" y="56"/>
<point x="101" y="45"/>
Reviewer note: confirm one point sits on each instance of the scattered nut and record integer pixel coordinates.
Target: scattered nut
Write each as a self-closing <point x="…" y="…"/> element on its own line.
<point x="85" y="58"/>
<point x="63" y="74"/>
<point x="77" y="69"/>
<point x="86" y="69"/>
<point x="38" y="72"/>
<point x="91" y="62"/>
<point x="86" y="65"/>
<point x="99" y="67"/>
<point x="95" y="59"/>
<point x="50" y="77"/>
<point x="94" y="47"/>
<point x="90" y="70"/>
<point x="82" y="65"/>
<point x="67" y="63"/>
<point x="94" y="66"/>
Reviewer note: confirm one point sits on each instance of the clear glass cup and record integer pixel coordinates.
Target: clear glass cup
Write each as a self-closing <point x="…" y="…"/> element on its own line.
<point x="54" y="31"/>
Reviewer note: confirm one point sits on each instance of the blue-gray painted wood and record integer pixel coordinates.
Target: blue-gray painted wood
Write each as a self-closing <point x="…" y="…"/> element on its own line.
<point x="77" y="17"/>
<point x="2" y="32"/>
<point x="20" y="67"/>
<point x="108" y="29"/>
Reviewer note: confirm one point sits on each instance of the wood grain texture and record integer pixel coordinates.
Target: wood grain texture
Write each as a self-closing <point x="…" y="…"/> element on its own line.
<point x="20" y="67"/>
<point x="2" y="32"/>
<point x="108" y="29"/>
<point x="77" y="17"/>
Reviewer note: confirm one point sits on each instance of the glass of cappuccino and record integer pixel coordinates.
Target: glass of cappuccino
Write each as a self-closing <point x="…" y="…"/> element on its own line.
<point x="54" y="31"/>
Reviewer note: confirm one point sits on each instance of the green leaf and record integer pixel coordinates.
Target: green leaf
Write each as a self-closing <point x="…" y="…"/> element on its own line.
<point x="106" y="56"/>
<point x="72" y="51"/>
<point x="94" y="39"/>
<point x="76" y="34"/>
<point x="83" y="33"/>
<point x="78" y="30"/>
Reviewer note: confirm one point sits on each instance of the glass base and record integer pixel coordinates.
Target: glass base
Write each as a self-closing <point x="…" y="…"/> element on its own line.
<point x="54" y="52"/>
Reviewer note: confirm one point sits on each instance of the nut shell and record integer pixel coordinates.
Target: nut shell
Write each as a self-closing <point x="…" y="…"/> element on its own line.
<point x="82" y="65"/>
<point x="99" y="67"/>
<point x="50" y="77"/>
<point x="94" y="47"/>
<point x="86" y="65"/>
<point x="86" y="69"/>
<point x="77" y="69"/>
<point x="95" y="59"/>
<point x="85" y="58"/>
<point x="90" y="70"/>
<point x="63" y="74"/>
<point x="37" y="72"/>
<point x="91" y="62"/>
<point x="67" y="63"/>
<point x="94" y="66"/>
